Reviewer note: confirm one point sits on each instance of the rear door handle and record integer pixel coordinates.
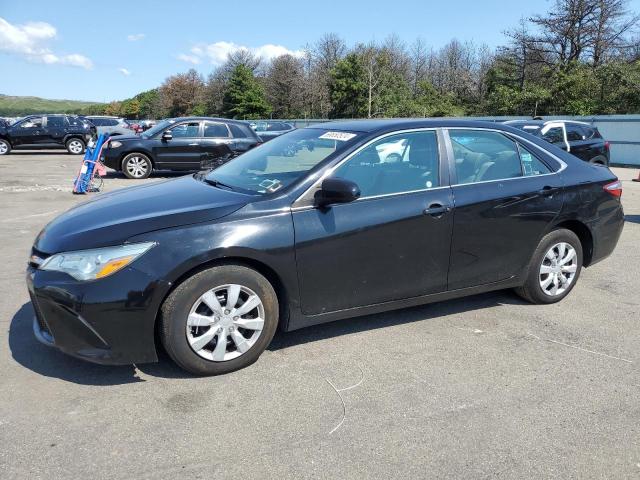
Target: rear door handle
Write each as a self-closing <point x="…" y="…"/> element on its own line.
<point x="548" y="191"/>
<point x="437" y="210"/>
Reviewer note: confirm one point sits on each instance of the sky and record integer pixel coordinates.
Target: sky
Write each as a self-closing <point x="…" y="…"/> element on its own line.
<point x="102" y="51"/>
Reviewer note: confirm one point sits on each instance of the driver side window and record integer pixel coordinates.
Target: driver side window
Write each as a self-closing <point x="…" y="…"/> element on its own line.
<point x="398" y="163"/>
<point x="186" y="130"/>
<point x="35" y="122"/>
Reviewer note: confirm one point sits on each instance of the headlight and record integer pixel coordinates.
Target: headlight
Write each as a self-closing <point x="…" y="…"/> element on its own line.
<point x="94" y="264"/>
<point x="115" y="144"/>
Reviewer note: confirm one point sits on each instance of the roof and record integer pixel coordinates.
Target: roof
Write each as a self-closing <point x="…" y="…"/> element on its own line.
<point x="381" y="125"/>
<point x="543" y="122"/>
<point x="214" y="119"/>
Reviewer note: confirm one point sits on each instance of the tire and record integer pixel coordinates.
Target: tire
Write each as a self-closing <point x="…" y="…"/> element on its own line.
<point x="136" y="166"/>
<point x="546" y="257"/>
<point x="75" y="146"/>
<point x="195" y="347"/>
<point x="5" y="147"/>
<point x="599" y="160"/>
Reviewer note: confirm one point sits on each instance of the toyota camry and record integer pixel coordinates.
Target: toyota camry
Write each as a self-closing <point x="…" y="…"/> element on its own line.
<point x="312" y="227"/>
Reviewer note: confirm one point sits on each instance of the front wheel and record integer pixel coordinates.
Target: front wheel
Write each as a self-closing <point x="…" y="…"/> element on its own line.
<point x="75" y="146"/>
<point x="554" y="268"/>
<point x="219" y="320"/>
<point x="5" y="147"/>
<point x="136" y="166"/>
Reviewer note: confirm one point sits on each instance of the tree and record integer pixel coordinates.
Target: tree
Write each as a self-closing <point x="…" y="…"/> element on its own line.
<point x="244" y="97"/>
<point x="348" y="88"/>
<point x="284" y="86"/>
<point x="183" y="94"/>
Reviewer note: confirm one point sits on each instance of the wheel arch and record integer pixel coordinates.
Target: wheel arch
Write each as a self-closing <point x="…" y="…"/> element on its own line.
<point x="6" y="139"/>
<point x="584" y="234"/>
<point x="70" y="136"/>
<point x="265" y="270"/>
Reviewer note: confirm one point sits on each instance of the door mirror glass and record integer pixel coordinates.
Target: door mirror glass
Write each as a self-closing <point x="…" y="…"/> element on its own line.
<point x="337" y="190"/>
<point x="166" y="136"/>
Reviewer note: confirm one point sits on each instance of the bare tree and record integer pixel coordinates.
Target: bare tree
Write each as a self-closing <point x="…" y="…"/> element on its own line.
<point x="285" y="86"/>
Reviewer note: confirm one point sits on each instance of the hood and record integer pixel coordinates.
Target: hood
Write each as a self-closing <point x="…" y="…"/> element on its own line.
<point x="125" y="138"/>
<point x="112" y="218"/>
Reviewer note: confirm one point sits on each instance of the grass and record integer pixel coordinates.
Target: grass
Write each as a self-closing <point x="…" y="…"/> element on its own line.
<point x="20" y="106"/>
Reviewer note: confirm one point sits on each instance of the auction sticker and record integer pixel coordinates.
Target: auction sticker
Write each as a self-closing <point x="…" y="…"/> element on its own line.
<point x="341" y="136"/>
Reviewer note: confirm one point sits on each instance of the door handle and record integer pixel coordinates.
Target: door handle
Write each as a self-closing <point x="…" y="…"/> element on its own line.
<point x="547" y="191"/>
<point x="437" y="210"/>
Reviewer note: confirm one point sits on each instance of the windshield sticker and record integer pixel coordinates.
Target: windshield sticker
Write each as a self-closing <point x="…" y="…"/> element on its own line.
<point x="341" y="136"/>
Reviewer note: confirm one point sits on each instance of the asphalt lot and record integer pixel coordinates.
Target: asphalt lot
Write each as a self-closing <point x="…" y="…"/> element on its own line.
<point x="482" y="387"/>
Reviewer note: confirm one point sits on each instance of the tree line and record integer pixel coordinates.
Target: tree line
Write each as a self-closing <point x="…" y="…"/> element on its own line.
<point x="582" y="57"/>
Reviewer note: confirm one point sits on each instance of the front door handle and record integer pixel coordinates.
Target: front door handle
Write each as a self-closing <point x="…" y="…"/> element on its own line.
<point x="547" y="191"/>
<point x="437" y="210"/>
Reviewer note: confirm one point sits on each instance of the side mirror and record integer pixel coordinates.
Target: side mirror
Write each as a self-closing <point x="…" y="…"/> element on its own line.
<point x="166" y="136"/>
<point x="336" y="190"/>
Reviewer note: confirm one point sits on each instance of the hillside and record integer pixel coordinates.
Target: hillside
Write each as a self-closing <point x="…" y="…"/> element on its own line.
<point x="18" y="106"/>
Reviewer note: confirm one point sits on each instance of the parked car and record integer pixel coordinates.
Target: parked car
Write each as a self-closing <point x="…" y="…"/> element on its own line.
<point x="110" y="125"/>
<point x="188" y="143"/>
<point x="578" y="138"/>
<point x="272" y="129"/>
<point x="214" y="262"/>
<point x="47" y="131"/>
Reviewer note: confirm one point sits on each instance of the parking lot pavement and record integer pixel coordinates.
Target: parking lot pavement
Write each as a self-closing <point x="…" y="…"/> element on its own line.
<point x="482" y="387"/>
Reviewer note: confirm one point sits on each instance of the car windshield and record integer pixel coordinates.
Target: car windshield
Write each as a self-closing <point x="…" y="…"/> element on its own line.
<point x="281" y="161"/>
<point x="158" y="128"/>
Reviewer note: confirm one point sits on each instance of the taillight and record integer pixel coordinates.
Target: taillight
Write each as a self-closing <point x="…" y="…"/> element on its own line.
<point x="614" y="188"/>
<point x="606" y="145"/>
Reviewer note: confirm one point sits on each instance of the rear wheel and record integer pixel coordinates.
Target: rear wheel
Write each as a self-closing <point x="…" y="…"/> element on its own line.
<point x="75" y="146"/>
<point x="5" y="147"/>
<point x="554" y="268"/>
<point x="219" y="320"/>
<point x="136" y="166"/>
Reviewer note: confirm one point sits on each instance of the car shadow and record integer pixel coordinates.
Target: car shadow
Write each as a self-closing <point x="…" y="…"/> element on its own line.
<point x="62" y="151"/>
<point x="632" y="218"/>
<point x="427" y="312"/>
<point x="49" y="362"/>
<point x="154" y="174"/>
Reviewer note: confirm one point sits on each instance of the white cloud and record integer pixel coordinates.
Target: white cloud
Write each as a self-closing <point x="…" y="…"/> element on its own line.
<point x="135" y="37"/>
<point x="30" y="41"/>
<point x="124" y="71"/>
<point x="189" y="58"/>
<point x="218" y="52"/>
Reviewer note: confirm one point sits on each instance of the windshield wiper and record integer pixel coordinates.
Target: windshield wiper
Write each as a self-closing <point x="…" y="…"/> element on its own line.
<point x="218" y="183"/>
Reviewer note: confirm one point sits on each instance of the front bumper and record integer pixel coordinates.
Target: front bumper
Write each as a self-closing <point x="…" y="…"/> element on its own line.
<point x="111" y="157"/>
<point x="108" y="321"/>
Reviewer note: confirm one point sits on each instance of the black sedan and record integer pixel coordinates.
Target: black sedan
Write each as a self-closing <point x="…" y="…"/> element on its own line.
<point x="316" y="226"/>
<point x="187" y="143"/>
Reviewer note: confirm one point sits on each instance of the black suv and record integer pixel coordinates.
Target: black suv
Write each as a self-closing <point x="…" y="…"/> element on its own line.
<point x="187" y="143"/>
<point x="578" y="138"/>
<point x="47" y="131"/>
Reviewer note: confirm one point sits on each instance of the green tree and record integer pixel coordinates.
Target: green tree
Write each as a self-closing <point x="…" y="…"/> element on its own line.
<point x="348" y="88"/>
<point x="244" y="96"/>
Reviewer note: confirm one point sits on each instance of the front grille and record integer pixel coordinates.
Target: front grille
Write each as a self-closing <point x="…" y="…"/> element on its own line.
<point x="39" y="317"/>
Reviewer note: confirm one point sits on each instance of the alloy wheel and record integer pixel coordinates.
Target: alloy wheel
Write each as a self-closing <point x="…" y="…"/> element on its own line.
<point x="4" y="148"/>
<point x="225" y="322"/>
<point x="137" y="167"/>
<point x="558" y="269"/>
<point x="75" y="146"/>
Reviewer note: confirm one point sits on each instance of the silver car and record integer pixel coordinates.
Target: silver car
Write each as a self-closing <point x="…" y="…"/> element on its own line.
<point x="110" y="125"/>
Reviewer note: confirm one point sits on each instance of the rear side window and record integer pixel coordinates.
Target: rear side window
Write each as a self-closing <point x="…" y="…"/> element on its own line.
<point x="215" y="130"/>
<point x="98" y="122"/>
<point x="55" y="122"/>
<point x="238" y="131"/>
<point x="575" y="133"/>
<point x="75" y="121"/>
<point x="554" y="135"/>
<point x="531" y="164"/>
<point x="482" y="156"/>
